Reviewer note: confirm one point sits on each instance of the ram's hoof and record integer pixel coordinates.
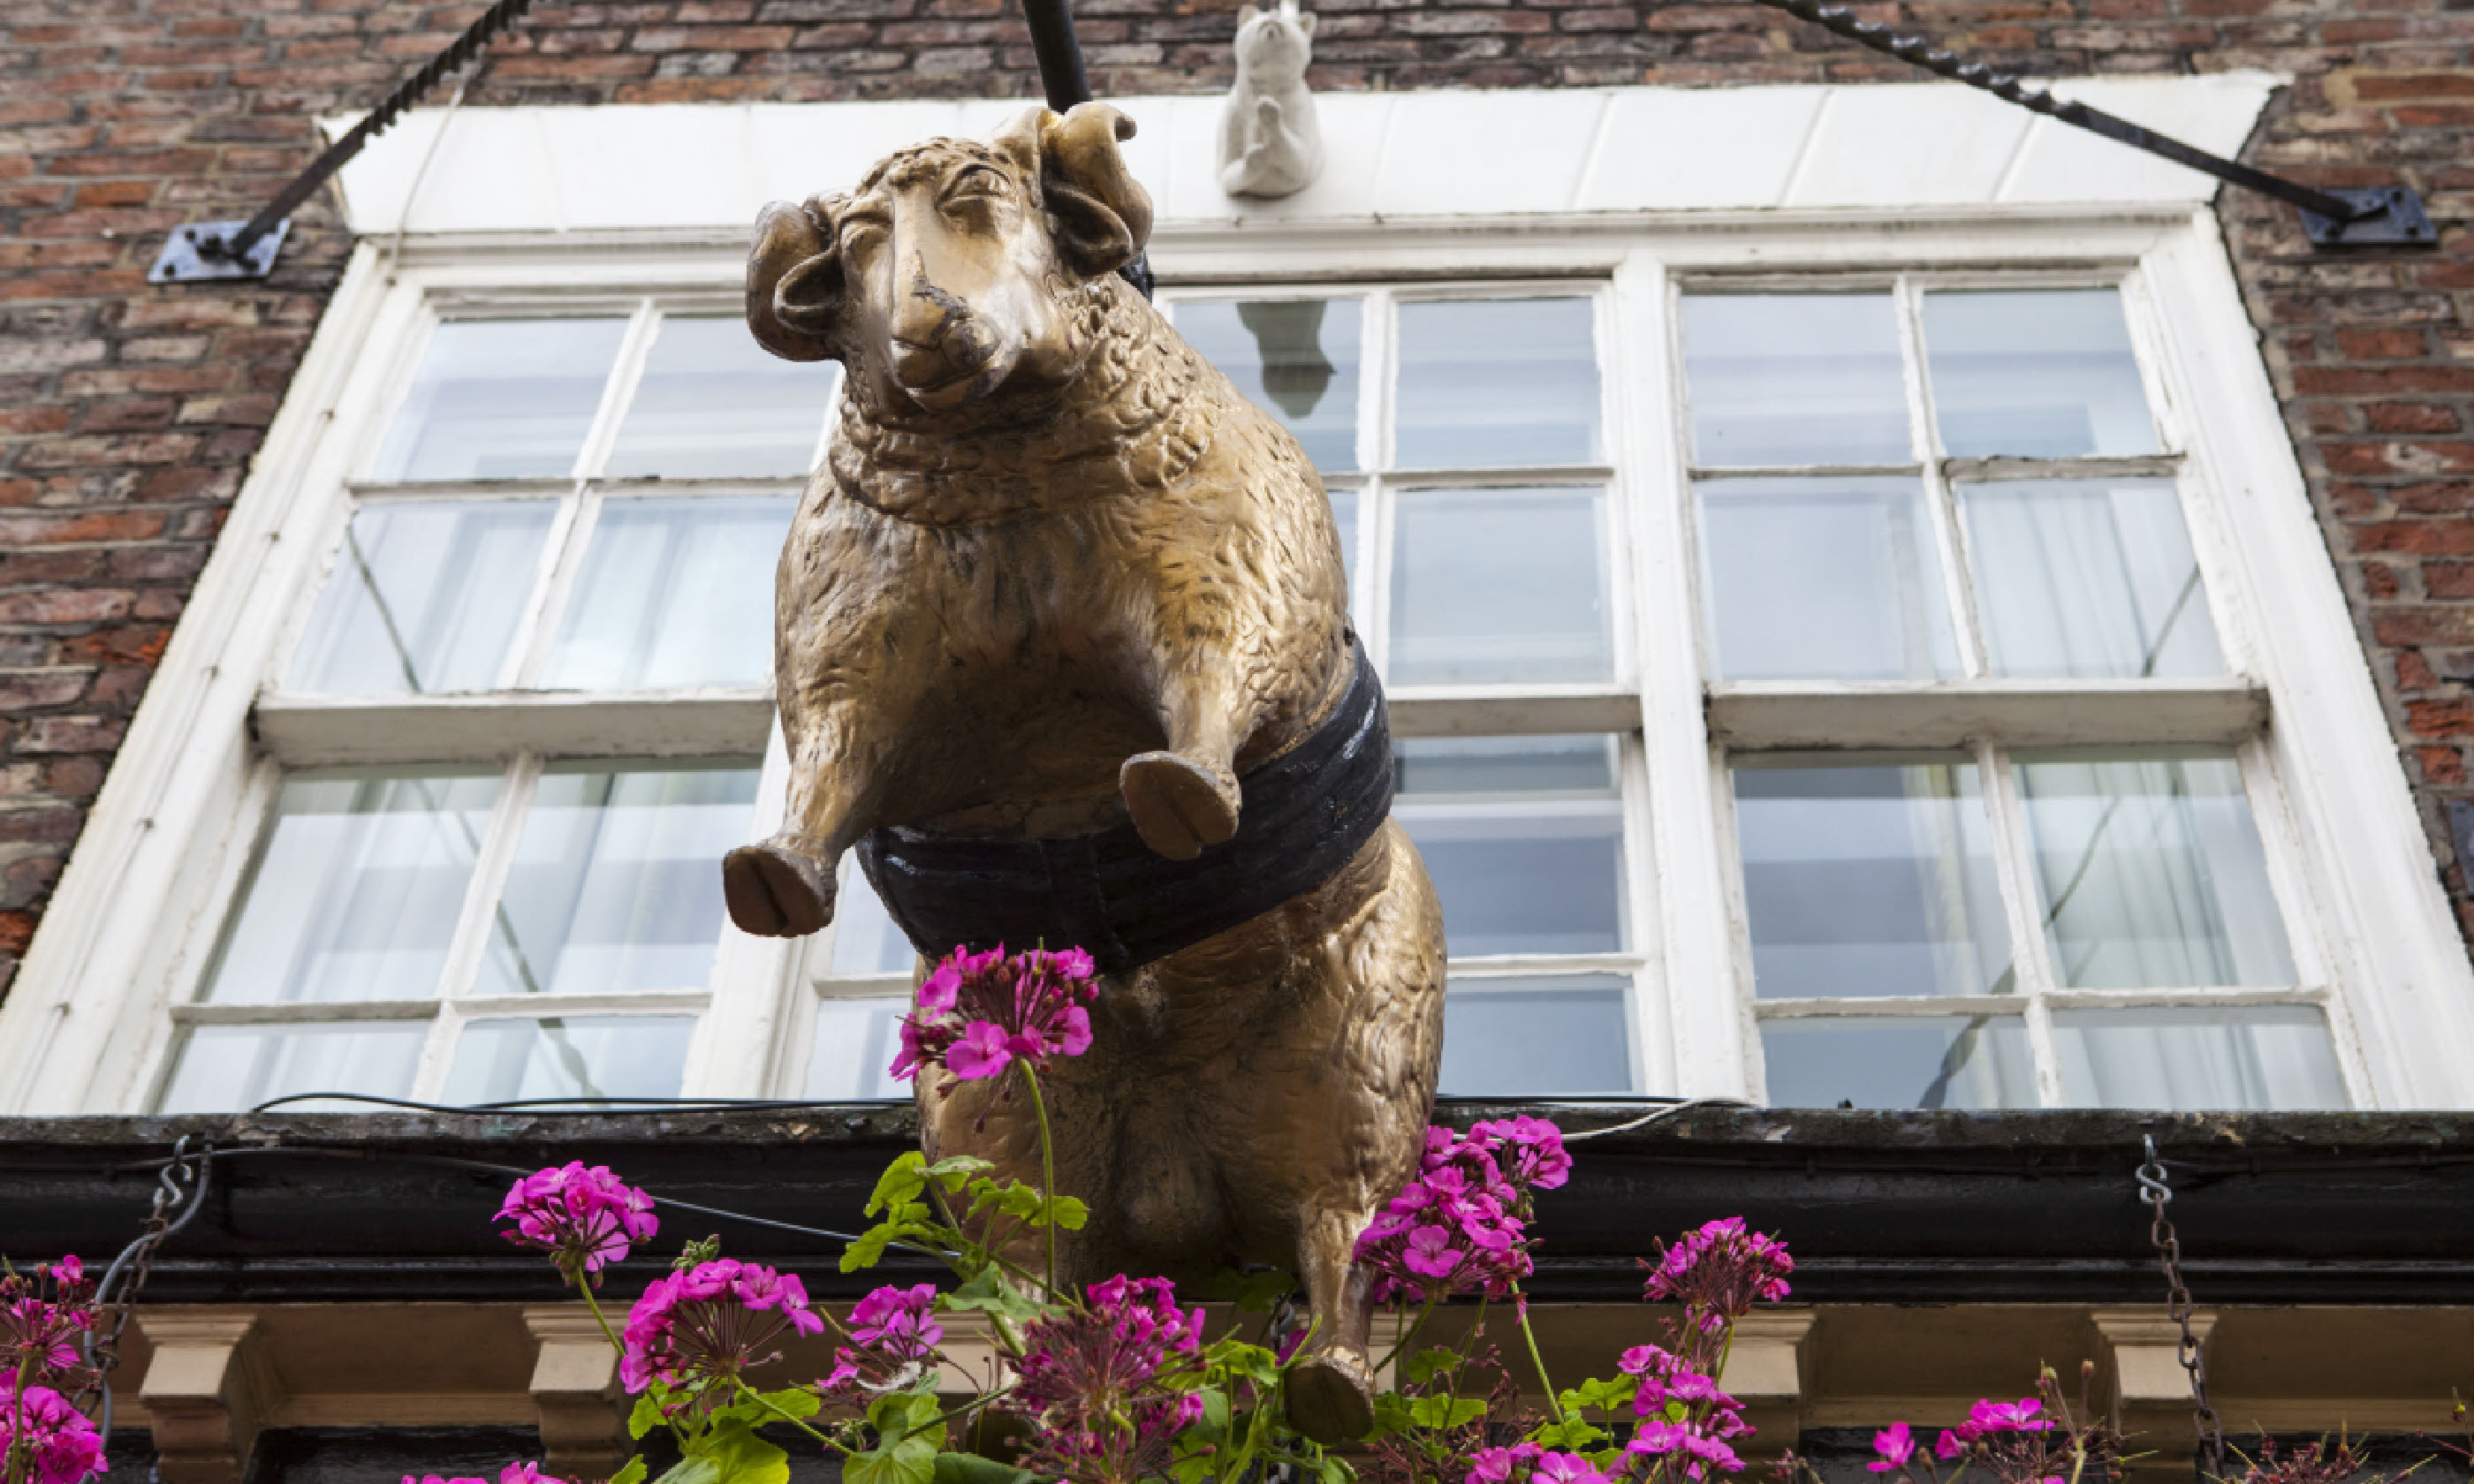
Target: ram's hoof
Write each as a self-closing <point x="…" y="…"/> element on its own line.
<point x="1178" y="805"/>
<point x="1331" y="1398"/>
<point x="776" y="890"/>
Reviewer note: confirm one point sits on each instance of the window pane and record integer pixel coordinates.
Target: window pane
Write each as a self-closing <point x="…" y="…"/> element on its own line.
<point x="2045" y="374"/>
<point x="1824" y="579"/>
<point x="227" y="1068"/>
<point x="1523" y="838"/>
<point x="356" y="890"/>
<point x="713" y="402"/>
<point x="1901" y="1061"/>
<point x="855" y="1041"/>
<point x="1783" y="379"/>
<point x="1490" y="383"/>
<point x="2151" y="874"/>
<point x="1343" y="515"/>
<point x="574" y="1056"/>
<point x="2265" y="1056"/>
<point x="502" y="400"/>
<point x="673" y="592"/>
<point x="1533" y="1037"/>
<point x="617" y="881"/>
<point x="1870" y="882"/>
<point x="2088" y="580"/>
<point x="423" y="598"/>
<point x="865" y="941"/>
<point x="1500" y="585"/>
<point x="1294" y="358"/>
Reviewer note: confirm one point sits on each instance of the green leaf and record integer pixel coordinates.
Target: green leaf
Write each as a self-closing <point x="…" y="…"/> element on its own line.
<point x="794" y="1401"/>
<point x="902" y="1180"/>
<point x="647" y="1416"/>
<point x="954" y="1170"/>
<point x="1617" y="1392"/>
<point x="731" y="1454"/>
<point x="1391" y="1416"/>
<point x="988" y="1291"/>
<point x="1571" y="1435"/>
<point x="630" y="1473"/>
<point x="1065" y="1211"/>
<point x="869" y="1250"/>
<point x="1253" y="1362"/>
<point x="1443" y="1412"/>
<point x="1332" y="1471"/>
<point x="910" y="1461"/>
<point x="1019" y="1200"/>
<point x="972" y="1468"/>
<point x="1425" y="1365"/>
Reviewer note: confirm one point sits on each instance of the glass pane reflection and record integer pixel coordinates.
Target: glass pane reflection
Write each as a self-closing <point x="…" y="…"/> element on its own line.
<point x="502" y="400"/>
<point x="2269" y="1058"/>
<point x="855" y="1041"/>
<point x="227" y="1068"/>
<point x="2151" y="874"/>
<point x="2044" y="373"/>
<point x="570" y="1055"/>
<point x="1497" y="383"/>
<point x="1824" y="579"/>
<point x="1297" y="359"/>
<point x="2088" y="580"/>
<point x="865" y="941"/>
<point x="713" y="402"/>
<point x="1777" y="380"/>
<point x="1500" y="585"/>
<point x="613" y="885"/>
<point x="1523" y="838"/>
<point x="1868" y="881"/>
<point x="1562" y="1037"/>
<point x="424" y="598"/>
<point x="674" y="592"/>
<point x="355" y="891"/>
<point x="1900" y="1062"/>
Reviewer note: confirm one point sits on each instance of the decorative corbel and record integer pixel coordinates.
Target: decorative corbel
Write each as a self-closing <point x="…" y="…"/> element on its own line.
<point x="575" y="1393"/>
<point x="2140" y="1360"/>
<point x="208" y="1391"/>
<point x="1766" y="1370"/>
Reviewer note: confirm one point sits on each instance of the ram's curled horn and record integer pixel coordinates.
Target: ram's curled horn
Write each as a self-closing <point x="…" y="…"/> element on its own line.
<point x="1103" y="215"/>
<point x="794" y="280"/>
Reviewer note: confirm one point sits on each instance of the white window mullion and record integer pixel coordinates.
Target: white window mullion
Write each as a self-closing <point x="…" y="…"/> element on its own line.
<point x="1950" y="539"/>
<point x="643" y="325"/>
<point x="1374" y="513"/>
<point x="2014" y="864"/>
<point x="562" y="553"/>
<point x="492" y="864"/>
<point x="752" y="1040"/>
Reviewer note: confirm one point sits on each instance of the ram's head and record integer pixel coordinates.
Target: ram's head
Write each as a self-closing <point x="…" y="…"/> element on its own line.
<point x="952" y="271"/>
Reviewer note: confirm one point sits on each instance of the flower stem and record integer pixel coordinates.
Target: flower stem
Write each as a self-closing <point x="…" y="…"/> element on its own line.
<point x="598" y="1318"/>
<point x="767" y="1403"/>
<point x="1520" y="1311"/>
<point x="1046" y="1171"/>
<point x="1401" y="1347"/>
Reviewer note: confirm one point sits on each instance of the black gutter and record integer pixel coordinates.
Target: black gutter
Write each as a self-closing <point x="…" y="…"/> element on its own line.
<point x="1907" y="1208"/>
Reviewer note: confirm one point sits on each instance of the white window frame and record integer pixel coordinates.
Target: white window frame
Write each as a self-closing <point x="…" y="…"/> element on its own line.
<point x="87" y="1021"/>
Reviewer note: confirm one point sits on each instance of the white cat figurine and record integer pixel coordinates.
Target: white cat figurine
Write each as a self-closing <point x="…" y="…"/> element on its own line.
<point x="1270" y="144"/>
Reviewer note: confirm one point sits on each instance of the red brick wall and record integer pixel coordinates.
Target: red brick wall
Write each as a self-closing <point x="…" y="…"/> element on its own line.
<point x="128" y="415"/>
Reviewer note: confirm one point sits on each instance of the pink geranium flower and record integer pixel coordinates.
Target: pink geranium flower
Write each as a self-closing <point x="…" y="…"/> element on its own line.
<point x="525" y="1472"/>
<point x="1109" y="1387"/>
<point x="585" y="1220"/>
<point x="979" y="1013"/>
<point x="1895" y="1445"/>
<point x="893" y="1336"/>
<point x="712" y="1322"/>
<point x="57" y="1440"/>
<point x="42" y="1318"/>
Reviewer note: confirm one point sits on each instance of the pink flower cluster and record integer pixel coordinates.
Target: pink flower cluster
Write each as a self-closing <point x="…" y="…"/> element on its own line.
<point x="1719" y="1272"/>
<point x="1897" y="1444"/>
<point x="893" y="1335"/>
<point x="1697" y="1441"/>
<point x="1463" y="1223"/>
<point x="1527" y="1463"/>
<point x="39" y="1335"/>
<point x="585" y="1220"/>
<point x="42" y="1433"/>
<point x="1109" y="1384"/>
<point x="978" y="1013"/>
<point x="712" y="1321"/>
<point x="518" y="1472"/>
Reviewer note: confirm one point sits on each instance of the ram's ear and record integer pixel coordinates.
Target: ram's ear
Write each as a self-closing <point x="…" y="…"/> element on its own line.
<point x="1102" y="215"/>
<point x="794" y="279"/>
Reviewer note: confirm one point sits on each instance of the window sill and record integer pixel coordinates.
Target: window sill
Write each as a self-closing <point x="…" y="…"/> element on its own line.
<point x="305" y="731"/>
<point x="1756" y="715"/>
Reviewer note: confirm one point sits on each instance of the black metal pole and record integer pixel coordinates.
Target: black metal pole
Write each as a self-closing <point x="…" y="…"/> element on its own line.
<point x="1060" y="56"/>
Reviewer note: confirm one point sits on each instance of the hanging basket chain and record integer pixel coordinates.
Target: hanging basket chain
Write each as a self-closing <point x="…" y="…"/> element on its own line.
<point x="2157" y="1193"/>
<point x="180" y="1194"/>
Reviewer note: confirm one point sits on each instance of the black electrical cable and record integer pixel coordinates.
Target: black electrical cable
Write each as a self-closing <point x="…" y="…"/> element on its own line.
<point x="600" y="1104"/>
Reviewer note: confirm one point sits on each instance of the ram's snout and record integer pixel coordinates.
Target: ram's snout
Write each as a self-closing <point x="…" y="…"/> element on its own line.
<point x="943" y="350"/>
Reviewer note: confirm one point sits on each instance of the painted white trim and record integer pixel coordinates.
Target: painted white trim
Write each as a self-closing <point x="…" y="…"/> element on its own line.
<point x="1482" y="156"/>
